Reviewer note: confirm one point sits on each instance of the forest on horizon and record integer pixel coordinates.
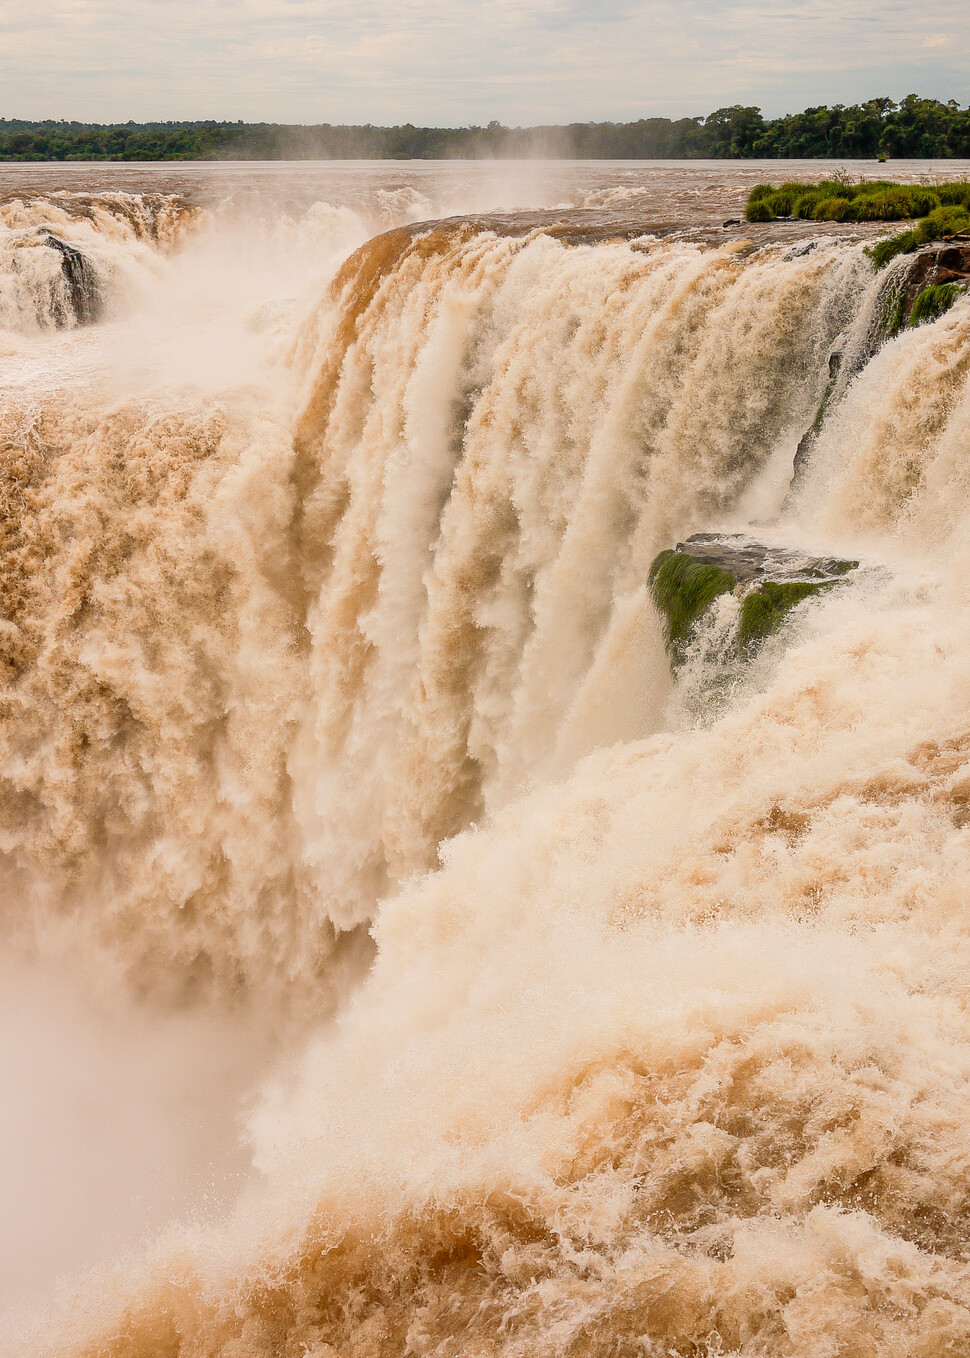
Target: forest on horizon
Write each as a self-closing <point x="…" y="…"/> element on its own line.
<point x="912" y="128"/>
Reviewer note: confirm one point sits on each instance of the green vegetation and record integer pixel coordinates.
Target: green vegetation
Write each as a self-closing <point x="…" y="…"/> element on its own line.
<point x="879" y="128"/>
<point x="902" y="308"/>
<point x="885" y="251"/>
<point x="941" y="210"/>
<point x="871" y="200"/>
<point x="893" y="315"/>
<point x="933" y="302"/>
<point x="939" y="224"/>
<point x="764" y="609"/>
<point x="683" y="589"/>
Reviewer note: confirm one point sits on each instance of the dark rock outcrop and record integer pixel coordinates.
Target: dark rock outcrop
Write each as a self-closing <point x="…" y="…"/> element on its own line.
<point x="906" y="300"/>
<point x="945" y="262"/>
<point x="769" y="581"/>
<point x="80" y="275"/>
<point x="944" y="265"/>
<point x="807" y="441"/>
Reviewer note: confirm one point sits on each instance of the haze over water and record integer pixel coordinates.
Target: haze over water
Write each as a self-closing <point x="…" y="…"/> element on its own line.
<point x="397" y="960"/>
<point x="705" y="189"/>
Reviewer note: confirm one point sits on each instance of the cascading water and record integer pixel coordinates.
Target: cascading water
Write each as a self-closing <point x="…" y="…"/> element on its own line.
<point x="63" y="256"/>
<point x="664" y="1048"/>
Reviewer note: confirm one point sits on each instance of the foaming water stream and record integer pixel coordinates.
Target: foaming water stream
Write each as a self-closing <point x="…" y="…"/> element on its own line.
<point x="346" y="627"/>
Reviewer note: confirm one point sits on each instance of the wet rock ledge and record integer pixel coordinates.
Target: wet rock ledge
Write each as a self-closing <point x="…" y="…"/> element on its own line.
<point x="936" y="274"/>
<point x="768" y="580"/>
<point x="81" y="279"/>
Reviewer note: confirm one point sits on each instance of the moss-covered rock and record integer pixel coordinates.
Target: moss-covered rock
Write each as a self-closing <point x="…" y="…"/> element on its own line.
<point x="763" y="608"/>
<point x="928" y="287"/>
<point x="768" y="580"/>
<point x="683" y="589"/>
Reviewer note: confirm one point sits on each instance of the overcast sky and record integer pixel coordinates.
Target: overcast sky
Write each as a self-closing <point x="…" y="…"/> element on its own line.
<point x="453" y="62"/>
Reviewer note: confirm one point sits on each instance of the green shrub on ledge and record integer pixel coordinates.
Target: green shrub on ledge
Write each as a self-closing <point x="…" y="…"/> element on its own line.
<point x="933" y="302"/>
<point x="939" y="224"/>
<point x="885" y="251"/>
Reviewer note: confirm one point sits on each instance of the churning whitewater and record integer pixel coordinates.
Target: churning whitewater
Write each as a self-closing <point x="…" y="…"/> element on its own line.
<point x="327" y="624"/>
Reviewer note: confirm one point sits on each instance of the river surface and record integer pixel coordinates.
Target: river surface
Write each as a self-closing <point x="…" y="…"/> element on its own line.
<point x="705" y="190"/>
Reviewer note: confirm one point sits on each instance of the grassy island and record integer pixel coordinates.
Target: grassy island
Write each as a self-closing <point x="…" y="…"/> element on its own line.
<point x="940" y="211"/>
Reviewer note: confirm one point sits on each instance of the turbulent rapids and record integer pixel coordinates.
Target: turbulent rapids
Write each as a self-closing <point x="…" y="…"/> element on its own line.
<point x="328" y="623"/>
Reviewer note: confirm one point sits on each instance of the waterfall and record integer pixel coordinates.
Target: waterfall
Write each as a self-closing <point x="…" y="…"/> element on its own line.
<point x="664" y="1046"/>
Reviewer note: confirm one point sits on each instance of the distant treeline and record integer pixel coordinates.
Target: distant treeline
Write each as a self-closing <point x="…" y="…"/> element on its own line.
<point x="913" y="128"/>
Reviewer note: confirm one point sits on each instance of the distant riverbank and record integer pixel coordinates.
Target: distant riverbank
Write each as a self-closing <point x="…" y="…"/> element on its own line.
<point x="914" y="128"/>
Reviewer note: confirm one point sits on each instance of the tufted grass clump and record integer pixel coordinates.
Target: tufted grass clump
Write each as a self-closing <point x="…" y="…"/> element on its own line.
<point x="933" y="302"/>
<point x="683" y="589"/>
<point x="885" y="251"/>
<point x="897" y="204"/>
<point x="944" y="221"/>
<point x="759" y="211"/>
<point x="954" y="195"/>
<point x="766" y="203"/>
<point x="832" y="210"/>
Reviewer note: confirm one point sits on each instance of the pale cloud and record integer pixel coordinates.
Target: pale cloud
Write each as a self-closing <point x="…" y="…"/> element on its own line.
<point x="460" y="61"/>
